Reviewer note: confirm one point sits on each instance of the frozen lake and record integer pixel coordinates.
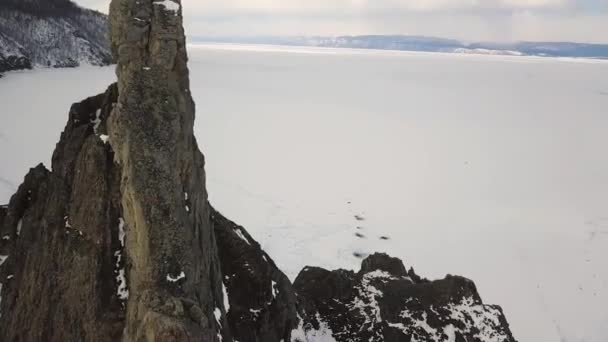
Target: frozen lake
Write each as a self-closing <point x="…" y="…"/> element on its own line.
<point x="489" y="167"/>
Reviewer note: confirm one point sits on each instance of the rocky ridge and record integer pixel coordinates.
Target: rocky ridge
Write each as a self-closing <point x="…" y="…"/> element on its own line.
<point x="119" y="242"/>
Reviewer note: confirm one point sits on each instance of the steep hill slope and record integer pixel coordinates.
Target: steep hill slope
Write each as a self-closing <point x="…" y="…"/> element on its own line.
<point x="54" y="33"/>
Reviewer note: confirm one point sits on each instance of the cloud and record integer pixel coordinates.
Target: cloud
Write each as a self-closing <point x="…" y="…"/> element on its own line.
<point x="336" y="6"/>
<point x="316" y="6"/>
<point x="574" y="20"/>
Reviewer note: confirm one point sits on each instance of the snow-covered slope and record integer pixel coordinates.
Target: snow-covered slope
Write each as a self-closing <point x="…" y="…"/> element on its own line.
<point x="12" y="55"/>
<point x="425" y="44"/>
<point x="491" y="168"/>
<point x="51" y="34"/>
<point x="479" y="51"/>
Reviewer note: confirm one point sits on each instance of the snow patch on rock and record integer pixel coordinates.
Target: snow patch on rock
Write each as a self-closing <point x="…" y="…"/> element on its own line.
<point x="218" y="316"/>
<point x="170" y="6"/>
<point x="240" y="234"/>
<point x="122" y="290"/>
<point x="306" y="334"/>
<point x="19" y="225"/>
<point x="97" y="121"/>
<point x="413" y="329"/>
<point x="484" y="318"/>
<point x="172" y="279"/>
<point x="481" y="321"/>
<point x="121" y="231"/>
<point x="366" y="301"/>
<point x="104" y="138"/>
<point x="274" y="289"/>
<point x="226" y="299"/>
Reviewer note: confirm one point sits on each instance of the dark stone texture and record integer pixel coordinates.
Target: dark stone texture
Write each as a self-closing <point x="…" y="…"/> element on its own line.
<point x="175" y="278"/>
<point x="61" y="231"/>
<point x="382" y="302"/>
<point x="262" y="299"/>
<point x="384" y="263"/>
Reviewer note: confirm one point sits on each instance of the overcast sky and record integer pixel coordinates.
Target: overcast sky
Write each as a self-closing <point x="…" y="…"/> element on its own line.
<point x="474" y="20"/>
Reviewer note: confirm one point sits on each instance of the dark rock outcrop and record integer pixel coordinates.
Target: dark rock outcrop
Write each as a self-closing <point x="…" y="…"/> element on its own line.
<point x="261" y="302"/>
<point x="175" y="281"/>
<point x="60" y="235"/>
<point x="119" y="241"/>
<point x="51" y="33"/>
<point x="384" y="302"/>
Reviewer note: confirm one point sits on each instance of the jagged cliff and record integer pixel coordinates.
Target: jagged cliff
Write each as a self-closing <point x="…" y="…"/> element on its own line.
<point x="119" y="241"/>
<point x="50" y="33"/>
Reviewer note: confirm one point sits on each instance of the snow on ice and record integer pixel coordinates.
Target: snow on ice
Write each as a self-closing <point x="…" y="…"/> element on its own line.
<point x="490" y="167"/>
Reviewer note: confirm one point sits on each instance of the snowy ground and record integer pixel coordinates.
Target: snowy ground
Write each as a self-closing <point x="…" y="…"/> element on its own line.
<point x="489" y="167"/>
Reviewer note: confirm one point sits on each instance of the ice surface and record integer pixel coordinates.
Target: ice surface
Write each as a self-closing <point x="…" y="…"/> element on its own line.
<point x="490" y="167"/>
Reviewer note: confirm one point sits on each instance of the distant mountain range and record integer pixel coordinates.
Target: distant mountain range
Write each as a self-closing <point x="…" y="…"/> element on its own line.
<point x="428" y="44"/>
<point x="51" y="33"/>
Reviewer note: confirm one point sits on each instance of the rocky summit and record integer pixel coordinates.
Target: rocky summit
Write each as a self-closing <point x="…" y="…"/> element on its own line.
<point x="118" y="241"/>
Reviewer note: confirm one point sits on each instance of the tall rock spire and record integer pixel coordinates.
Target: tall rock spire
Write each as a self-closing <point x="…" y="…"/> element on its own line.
<point x="174" y="275"/>
<point x="119" y="243"/>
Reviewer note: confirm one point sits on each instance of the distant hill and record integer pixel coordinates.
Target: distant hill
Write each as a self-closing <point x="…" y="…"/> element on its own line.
<point x="51" y="33"/>
<point x="428" y="44"/>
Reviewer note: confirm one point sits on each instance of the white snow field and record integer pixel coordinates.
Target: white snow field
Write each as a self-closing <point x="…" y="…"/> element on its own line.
<point x="490" y="167"/>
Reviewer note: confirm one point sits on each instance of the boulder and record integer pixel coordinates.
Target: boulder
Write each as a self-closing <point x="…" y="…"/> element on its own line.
<point x="383" y="302"/>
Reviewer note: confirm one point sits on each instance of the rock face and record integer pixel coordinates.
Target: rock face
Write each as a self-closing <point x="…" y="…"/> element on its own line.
<point x="175" y="280"/>
<point x="384" y="302"/>
<point x="61" y="242"/>
<point x="50" y="33"/>
<point x="119" y="241"/>
<point x="262" y="301"/>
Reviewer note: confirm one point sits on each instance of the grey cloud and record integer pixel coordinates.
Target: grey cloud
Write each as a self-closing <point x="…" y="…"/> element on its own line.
<point x="502" y="20"/>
